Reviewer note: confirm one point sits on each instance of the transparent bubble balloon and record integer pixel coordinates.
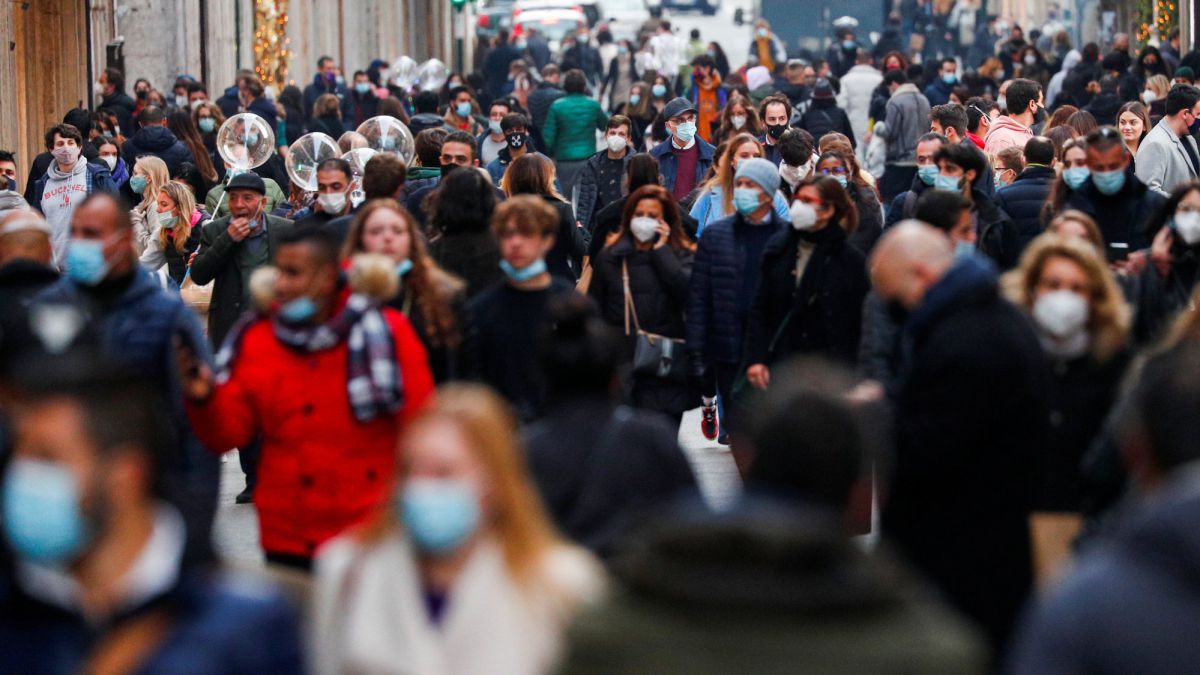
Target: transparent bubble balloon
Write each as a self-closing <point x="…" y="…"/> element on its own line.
<point x="432" y="75"/>
<point x="388" y="134"/>
<point x="358" y="160"/>
<point x="305" y="154"/>
<point x="404" y="72"/>
<point x="245" y="141"/>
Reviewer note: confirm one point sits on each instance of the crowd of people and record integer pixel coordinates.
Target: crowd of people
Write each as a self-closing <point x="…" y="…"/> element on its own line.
<point x="939" y="292"/>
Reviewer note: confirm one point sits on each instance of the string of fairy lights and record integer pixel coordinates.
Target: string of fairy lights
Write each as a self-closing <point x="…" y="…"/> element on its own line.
<point x="1156" y="18"/>
<point x="270" y="41"/>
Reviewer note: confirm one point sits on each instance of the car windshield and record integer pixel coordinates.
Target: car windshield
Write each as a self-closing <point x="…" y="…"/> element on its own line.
<point x="623" y="6"/>
<point x="552" y="27"/>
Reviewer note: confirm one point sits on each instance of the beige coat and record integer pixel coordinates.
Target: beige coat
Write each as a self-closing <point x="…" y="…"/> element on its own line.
<point x="370" y="613"/>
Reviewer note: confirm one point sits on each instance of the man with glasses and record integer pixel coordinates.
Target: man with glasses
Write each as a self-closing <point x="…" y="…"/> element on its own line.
<point x="684" y="158"/>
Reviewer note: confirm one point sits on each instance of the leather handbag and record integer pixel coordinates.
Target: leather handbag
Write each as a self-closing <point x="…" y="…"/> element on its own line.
<point x="654" y="355"/>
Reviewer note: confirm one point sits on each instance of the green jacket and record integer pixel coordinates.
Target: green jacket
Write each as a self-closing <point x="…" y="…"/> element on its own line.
<point x="571" y="125"/>
<point x="275" y="197"/>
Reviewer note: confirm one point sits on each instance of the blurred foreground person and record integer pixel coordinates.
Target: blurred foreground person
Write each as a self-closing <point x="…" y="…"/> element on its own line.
<point x="598" y="466"/>
<point x="100" y="580"/>
<point x="107" y="299"/>
<point x="460" y="572"/>
<point x="970" y="415"/>
<point x="25" y="269"/>
<point x="1131" y="604"/>
<point x="326" y="376"/>
<point x="756" y="588"/>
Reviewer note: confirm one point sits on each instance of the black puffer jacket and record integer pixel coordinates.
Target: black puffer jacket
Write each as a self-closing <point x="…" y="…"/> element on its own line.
<point x="565" y="259"/>
<point x="825" y="309"/>
<point x="1023" y="201"/>
<point x="997" y="236"/>
<point x="1122" y="217"/>
<point x="824" y="117"/>
<point x="160" y="142"/>
<point x="658" y="283"/>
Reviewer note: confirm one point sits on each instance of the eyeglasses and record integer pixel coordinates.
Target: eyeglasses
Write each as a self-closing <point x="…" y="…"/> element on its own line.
<point x="837" y="170"/>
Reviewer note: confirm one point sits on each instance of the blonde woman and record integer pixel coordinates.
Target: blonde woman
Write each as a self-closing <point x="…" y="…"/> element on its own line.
<point x="461" y="572"/>
<point x="716" y="194"/>
<point x="1079" y="225"/>
<point x="149" y="176"/>
<point x="1083" y="323"/>
<point x="177" y="231"/>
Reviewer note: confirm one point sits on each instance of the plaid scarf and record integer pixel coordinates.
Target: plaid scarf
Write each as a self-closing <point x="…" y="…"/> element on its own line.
<point x="373" y="378"/>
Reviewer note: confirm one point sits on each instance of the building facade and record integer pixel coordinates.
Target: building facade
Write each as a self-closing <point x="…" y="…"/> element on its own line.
<point x="59" y="47"/>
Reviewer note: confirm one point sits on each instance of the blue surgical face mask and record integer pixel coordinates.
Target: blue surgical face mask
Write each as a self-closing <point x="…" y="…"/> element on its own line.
<point x="849" y="44"/>
<point x="746" y="200"/>
<point x="207" y="125"/>
<point x="1109" y="182"/>
<point x="404" y="267"/>
<point x="1076" y="176"/>
<point x="42" y="518"/>
<point x="251" y="138"/>
<point x="635" y="99"/>
<point x="928" y="173"/>
<point x="622" y="50"/>
<point x="167" y="220"/>
<point x="138" y="184"/>
<point x="462" y="109"/>
<point x="440" y="514"/>
<point x="494" y="127"/>
<point x="963" y="249"/>
<point x="659" y="90"/>
<point x="686" y="131"/>
<point x="950" y="183"/>
<point x="842" y="180"/>
<point x="387" y="142"/>
<point x="300" y="310"/>
<point x="86" y="263"/>
<point x="526" y="273"/>
<point x="949" y="78"/>
<point x="362" y="87"/>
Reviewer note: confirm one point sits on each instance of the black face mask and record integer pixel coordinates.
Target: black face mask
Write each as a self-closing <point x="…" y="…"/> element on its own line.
<point x="448" y="169"/>
<point x="897" y="312"/>
<point x="776" y="130"/>
<point x="516" y="140"/>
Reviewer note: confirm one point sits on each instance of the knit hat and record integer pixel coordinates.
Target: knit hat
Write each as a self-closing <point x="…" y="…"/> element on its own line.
<point x="823" y="89"/>
<point x="761" y="171"/>
<point x="1185" y="73"/>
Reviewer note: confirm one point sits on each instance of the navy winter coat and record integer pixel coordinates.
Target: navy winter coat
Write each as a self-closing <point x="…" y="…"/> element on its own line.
<point x="139" y="330"/>
<point x="1023" y="201"/>
<point x="716" y="314"/>
<point x="160" y="142"/>
<point x="1122" y="217"/>
<point x="667" y="162"/>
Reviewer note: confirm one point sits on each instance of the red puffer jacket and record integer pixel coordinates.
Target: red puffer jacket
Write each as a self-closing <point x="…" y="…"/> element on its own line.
<point x="321" y="469"/>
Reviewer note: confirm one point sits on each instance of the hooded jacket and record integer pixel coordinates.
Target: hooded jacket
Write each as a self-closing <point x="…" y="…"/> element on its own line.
<point x="1023" y="201"/>
<point x="907" y="119"/>
<point x="1006" y="132"/>
<point x="160" y="142"/>
<point x="56" y="185"/>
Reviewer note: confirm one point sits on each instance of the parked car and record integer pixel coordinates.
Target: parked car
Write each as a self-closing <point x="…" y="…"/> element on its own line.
<point x="553" y="24"/>
<point x="590" y="8"/>
<point x="624" y="17"/>
<point x="493" y="17"/>
<point x="708" y="7"/>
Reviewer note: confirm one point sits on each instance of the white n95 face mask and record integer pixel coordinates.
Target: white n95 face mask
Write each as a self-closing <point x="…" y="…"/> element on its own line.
<point x="803" y="215"/>
<point x="644" y="228"/>
<point x="1062" y="314"/>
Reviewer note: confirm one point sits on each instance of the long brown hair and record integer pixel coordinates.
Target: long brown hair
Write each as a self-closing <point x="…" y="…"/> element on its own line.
<point x="753" y="124"/>
<point x="185" y="205"/>
<point x="530" y="174"/>
<point x="433" y="289"/>
<point x="723" y="178"/>
<point x="670" y="211"/>
<point x="180" y="123"/>
<point x="1059" y="191"/>
<point x="845" y="213"/>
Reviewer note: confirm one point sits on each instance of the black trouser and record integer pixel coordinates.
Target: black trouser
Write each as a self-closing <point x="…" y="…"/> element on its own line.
<point x="296" y="562"/>
<point x="248" y="458"/>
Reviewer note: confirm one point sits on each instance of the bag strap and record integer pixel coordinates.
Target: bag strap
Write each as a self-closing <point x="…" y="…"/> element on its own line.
<point x="629" y="308"/>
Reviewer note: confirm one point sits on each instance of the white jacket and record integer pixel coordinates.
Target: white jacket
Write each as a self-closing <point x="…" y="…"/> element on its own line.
<point x="370" y="613"/>
<point x="858" y="84"/>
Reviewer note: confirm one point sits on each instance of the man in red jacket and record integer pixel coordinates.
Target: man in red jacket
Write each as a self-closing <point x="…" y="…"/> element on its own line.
<point x="327" y="376"/>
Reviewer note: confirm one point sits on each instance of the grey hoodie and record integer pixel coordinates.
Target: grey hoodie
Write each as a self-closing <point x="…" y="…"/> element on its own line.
<point x="63" y="192"/>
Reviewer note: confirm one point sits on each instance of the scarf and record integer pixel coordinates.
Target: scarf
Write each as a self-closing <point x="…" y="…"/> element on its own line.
<point x="373" y="379"/>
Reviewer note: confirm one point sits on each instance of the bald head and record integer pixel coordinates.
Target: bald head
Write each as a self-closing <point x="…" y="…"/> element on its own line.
<point x="909" y="259"/>
<point x="22" y="236"/>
